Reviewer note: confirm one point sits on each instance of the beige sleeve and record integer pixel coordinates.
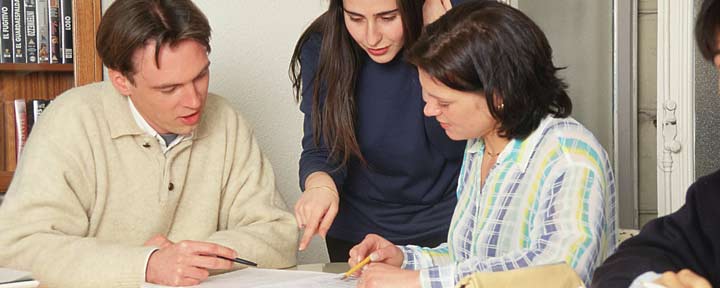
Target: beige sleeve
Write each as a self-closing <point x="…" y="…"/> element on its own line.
<point x="255" y="218"/>
<point x="44" y="220"/>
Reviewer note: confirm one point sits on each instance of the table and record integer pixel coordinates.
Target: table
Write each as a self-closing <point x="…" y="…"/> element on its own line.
<point x="335" y="267"/>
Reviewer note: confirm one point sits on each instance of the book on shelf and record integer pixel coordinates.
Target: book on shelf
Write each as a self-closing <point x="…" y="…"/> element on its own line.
<point x="37" y="31"/>
<point x="18" y="31"/>
<point x="21" y="129"/>
<point x="30" y="32"/>
<point x="18" y="118"/>
<point x="3" y="137"/>
<point x="6" y="41"/>
<point x="66" y="35"/>
<point x="54" y="31"/>
<point x="35" y="108"/>
<point x="42" y="30"/>
<point x="9" y="127"/>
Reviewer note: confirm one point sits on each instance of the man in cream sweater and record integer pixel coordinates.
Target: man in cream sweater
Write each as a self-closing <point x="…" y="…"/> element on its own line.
<point x="145" y="177"/>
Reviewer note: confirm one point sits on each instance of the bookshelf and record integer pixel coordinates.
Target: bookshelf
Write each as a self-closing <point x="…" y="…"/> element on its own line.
<point x="45" y="81"/>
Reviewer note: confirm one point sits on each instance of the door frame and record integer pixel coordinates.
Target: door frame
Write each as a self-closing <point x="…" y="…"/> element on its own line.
<point x="675" y="103"/>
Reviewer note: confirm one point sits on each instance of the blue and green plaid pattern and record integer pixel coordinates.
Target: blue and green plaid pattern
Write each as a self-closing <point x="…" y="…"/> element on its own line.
<point x="549" y="198"/>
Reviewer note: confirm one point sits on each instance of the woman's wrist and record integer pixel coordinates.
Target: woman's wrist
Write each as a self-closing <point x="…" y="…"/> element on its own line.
<point x="324" y="187"/>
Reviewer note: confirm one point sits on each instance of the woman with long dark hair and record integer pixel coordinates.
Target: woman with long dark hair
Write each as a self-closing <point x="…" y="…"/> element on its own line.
<point x="371" y="162"/>
<point x="535" y="187"/>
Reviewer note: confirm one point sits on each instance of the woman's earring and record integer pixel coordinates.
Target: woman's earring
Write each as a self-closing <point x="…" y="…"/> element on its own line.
<point x="501" y="107"/>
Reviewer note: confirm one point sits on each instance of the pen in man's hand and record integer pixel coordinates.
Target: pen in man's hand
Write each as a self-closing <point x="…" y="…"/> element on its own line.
<point x="240" y="261"/>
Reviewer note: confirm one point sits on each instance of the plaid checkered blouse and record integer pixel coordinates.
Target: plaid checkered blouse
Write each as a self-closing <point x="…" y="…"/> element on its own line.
<point x="549" y="198"/>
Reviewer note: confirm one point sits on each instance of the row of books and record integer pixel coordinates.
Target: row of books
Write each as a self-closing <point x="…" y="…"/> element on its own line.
<point x="19" y="118"/>
<point x="36" y="31"/>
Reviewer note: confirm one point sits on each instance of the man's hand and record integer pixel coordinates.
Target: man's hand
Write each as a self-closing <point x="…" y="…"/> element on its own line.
<point x="316" y="209"/>
<point x="186" y="263"/>
<point x="379" y="249"/>
<point x="683" y="279"/>
<point x="434" y="9"/>
<point x="377" y="275"/>
<point x="158" y="240"/>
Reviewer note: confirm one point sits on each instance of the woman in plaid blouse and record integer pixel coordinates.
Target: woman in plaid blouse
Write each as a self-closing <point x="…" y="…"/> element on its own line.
<point x="535" y="186"/>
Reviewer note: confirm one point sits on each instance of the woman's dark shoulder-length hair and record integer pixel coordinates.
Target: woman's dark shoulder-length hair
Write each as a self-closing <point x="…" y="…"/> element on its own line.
<point x="337" y="71"/>
<point x="707" y="27"/>
<point x="491" y="48"/>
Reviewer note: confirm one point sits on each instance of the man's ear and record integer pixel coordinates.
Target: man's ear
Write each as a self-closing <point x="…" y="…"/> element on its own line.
<point x="120" y="82"/>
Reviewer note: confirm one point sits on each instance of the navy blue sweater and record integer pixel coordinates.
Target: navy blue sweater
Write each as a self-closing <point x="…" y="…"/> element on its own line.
<point x="406" y="193"/>
<point x="688" y="238"/>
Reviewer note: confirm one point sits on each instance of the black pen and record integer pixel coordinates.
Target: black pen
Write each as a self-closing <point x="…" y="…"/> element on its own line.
<point x="240" y="261"/>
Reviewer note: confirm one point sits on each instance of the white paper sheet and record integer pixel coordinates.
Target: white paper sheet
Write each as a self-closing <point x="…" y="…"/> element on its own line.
<point x="10" y="278"/>
<point x="270" y="278"/>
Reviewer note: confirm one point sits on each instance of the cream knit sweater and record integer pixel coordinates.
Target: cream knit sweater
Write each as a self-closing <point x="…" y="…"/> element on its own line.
<point x="88" y="192"/>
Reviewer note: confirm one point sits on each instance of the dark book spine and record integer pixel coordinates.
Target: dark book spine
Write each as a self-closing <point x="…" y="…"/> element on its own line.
<point x="30" y="32"/>
<point x="42" y="30"/>
<point x="18" y="16"/>
<point x="54" y="25"/>
<point x="6" y="41"/>
<point x="36" y="108"/>
<point x="67" y="31"/>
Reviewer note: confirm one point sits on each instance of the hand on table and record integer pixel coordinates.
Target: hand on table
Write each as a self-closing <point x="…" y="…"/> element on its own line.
<point x="683" y="279"/>
<point x="379" y="249"/>
<point x="185" y="263"/>
<point x="376" y="275"/>
<point x="158" y="240"/>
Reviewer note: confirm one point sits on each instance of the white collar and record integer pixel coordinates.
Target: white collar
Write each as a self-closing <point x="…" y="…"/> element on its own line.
<point x="145" y="126"/>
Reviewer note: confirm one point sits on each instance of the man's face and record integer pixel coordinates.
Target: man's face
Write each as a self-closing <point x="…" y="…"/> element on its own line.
<point x="170" y="98"/>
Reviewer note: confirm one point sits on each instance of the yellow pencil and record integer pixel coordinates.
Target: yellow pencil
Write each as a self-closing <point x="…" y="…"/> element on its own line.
<point x="356" y="267"/>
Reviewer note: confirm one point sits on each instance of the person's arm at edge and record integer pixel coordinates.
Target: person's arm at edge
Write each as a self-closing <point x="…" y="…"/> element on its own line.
<point x="669" y="243"/>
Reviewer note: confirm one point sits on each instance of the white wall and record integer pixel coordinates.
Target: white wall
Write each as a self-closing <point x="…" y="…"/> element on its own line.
<point x="251" y="47"/>
<point x="582" y="40"/>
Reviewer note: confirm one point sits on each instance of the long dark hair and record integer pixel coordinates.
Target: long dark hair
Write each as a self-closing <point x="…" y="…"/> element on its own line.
<point x="492" y="49"/>
<point x="338" y="68"/>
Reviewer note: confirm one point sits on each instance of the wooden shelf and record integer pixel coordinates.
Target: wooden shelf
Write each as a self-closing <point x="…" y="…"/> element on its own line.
<point x="45" y="81"/>
<point x="5" y="178"/>
<point x="22" y="67"/>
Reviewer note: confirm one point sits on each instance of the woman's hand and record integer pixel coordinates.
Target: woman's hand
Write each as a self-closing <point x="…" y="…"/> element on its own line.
<point x="379" y="249"/>
<point x="683" y="279"/>
<point x="434" y="9"/>
<point x="383" y="275"/>
<point x="317" y="207"/>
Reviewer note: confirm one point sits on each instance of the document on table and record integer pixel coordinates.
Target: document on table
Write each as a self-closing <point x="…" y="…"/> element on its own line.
<point x="271" y="278"/>
<point x="10" y="278"/>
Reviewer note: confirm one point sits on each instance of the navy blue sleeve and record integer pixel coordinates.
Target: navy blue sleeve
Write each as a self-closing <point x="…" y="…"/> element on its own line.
<point x="314" y="157"/>
<point x="688" y="238"/>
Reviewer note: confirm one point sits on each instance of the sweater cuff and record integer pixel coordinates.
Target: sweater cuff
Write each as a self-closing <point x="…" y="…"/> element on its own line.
<point x="147" y="260"/>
